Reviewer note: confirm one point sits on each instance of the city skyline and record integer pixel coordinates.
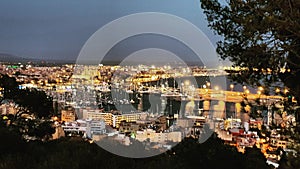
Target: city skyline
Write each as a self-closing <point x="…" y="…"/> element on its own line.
<point x="88" y="84"/>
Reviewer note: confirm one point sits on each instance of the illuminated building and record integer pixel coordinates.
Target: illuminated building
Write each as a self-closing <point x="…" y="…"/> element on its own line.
<point x="68" y="115"/>
<point x="132" y="117"/>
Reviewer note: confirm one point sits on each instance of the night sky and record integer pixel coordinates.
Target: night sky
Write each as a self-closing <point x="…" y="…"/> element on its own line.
<point x="57" y="29"/>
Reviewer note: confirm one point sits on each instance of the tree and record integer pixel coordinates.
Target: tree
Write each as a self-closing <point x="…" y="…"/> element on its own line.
<point x="263" y="38"/>
<point x="289" y="161"/>
<point x="255" y="158"/>
<point x="31" y="102"/>
<point x="34" y="102"/>
<point x="9" y="85"/>
<point x="10" y="142"/>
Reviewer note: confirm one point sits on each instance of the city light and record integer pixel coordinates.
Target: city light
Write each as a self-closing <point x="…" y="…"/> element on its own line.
<point x="216" y="88"/>
<point x="231" y="86"/>
<point x="208" y="84"/>
<point x="135" y="84"/>
<point x="247" y="91"/>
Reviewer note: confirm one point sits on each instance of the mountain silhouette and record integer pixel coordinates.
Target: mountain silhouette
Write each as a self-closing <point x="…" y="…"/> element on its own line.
<point x="4" y="57"/>
<point x="9" y="58"/>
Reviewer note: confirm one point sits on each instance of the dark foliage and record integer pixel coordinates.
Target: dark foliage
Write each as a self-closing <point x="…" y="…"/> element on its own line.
<point x="263" y="36"/>
<point x="33" y="103"/>
<point x="76" y="153"/>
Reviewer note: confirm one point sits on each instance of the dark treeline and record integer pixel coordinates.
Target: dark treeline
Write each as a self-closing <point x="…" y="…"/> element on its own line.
<point x="75" y="153"/>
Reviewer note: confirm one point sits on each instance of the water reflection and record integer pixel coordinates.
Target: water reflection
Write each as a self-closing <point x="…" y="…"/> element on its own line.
<point x="157" y="103"/>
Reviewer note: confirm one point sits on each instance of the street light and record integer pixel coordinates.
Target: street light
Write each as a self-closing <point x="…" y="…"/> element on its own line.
<point x="208" y="84"/>
<point x="247" y="91"/>
<point x="187" y="82"/>
<point x="277" y="90"/>
<point x="231" y="86"/>
<point x="259" y="92"/>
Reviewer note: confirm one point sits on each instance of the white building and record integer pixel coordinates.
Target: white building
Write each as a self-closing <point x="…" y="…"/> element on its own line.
<point x="129" y="117"/>
<point x="112" y="119"/>
<point x="158" y="137"/>
<point x="90" y="113"/>
<point x="75" y="126"/>
<point x="95" y="114"/>
<point x="95" y="128"/>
